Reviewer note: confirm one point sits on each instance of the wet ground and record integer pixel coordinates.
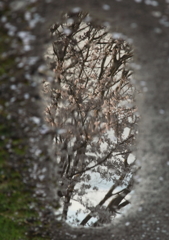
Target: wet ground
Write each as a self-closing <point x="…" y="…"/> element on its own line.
<point x="145" y="23"/>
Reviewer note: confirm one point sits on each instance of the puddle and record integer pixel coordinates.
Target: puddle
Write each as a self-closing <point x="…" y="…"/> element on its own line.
<point x="91" y="105"/>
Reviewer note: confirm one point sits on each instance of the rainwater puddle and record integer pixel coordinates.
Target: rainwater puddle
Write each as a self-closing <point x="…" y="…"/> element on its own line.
<point x="90" y="102"/>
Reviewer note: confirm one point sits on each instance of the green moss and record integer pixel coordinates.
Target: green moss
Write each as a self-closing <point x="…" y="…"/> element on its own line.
<point x="16" y="214"/>
<point x="14" y="204"/>
<point x="18" y="149"/>
<point x="17" y="217"/>
<point x="6" y="65"/>
<point x="4" y="130"/>
<point x="10" y="230"/>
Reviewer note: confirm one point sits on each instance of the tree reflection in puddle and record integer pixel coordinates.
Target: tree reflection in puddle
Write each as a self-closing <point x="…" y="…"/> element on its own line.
<point x="92" y="107"/>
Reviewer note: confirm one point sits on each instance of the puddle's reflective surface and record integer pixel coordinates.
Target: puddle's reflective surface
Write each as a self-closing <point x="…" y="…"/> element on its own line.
<point x="92" y="107"/>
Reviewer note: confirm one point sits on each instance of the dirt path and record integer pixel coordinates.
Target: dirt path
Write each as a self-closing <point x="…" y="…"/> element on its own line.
<point x="146" y="26"/>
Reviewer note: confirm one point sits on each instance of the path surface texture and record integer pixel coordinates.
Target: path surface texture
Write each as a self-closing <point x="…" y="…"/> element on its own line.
<point x="145" y="23"/>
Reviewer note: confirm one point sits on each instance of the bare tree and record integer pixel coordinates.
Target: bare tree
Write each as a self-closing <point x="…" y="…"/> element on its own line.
<point x="92" y="103"/>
